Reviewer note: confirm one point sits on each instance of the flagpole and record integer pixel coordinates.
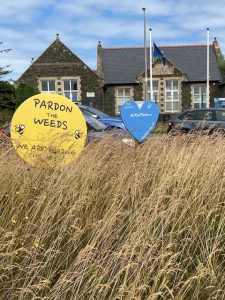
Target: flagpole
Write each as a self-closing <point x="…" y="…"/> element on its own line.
<point x="207" y="75"/>
<point x="145" y="49"/>
<point x="150" y="62"/>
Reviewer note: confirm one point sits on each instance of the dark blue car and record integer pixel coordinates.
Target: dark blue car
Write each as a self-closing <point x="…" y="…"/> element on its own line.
<point x="211" y="119"/>
<point x="112" y="122"/>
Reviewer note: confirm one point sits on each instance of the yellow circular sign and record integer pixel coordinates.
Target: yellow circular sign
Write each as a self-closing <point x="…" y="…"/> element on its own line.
<point x="48" y="130"/>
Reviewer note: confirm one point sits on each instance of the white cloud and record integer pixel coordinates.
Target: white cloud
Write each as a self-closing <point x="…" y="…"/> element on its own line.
<point x="22" y="10"/>
<point x="28" y="27"/>
<point x="90" y="8"/>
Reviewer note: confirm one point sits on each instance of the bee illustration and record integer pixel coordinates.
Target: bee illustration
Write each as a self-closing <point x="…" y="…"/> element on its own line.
<point x="20" y="128"/>
<point x="78" y="134"/>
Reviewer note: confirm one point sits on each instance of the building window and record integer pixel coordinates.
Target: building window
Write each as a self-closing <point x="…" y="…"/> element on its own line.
<point x="199" y="96"/>
<point x="122" y="95"/>
<point x="47" y="86"/>
<point x="155" y="91"/>
<point x="172" y="101"/>
<point x="70" y="89"/>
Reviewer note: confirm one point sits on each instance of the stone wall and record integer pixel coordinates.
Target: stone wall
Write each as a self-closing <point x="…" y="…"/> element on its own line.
<point x="109" y="100"/>
<point x="110" y="97"/>
<point x="59" y="62"/>
<point x="186" y="101"/>
<point x="186" y="96"/>
<point x="215" y="92"/>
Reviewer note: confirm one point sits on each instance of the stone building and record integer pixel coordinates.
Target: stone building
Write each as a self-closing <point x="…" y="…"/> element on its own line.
<point x="177" y="85"/>
<point x="60" y="71"/>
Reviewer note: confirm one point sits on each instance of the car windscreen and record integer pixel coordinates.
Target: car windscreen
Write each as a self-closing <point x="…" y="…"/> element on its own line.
<point x="93" y="123"/>
<point x="183" y="115"/>
<point x="200" y="115"/>
<point x="95" y="111"/>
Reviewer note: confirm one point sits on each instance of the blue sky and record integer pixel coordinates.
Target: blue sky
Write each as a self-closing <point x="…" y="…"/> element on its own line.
<point x="30" y="26"/>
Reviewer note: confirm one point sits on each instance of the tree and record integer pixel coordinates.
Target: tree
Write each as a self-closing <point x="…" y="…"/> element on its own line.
<point x="7" y="96"/>
<point x="4" y="70"/>
<point x="221" y="64"/>
<point x="25" y="91"/>
<point x="7" y="91"/>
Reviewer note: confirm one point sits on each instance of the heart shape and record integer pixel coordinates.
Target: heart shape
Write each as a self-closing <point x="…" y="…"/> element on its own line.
<point x="139" y="121"/>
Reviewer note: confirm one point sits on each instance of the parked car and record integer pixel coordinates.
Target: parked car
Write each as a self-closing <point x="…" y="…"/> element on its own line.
<point x="109" y="121"/>
<point x="210" y="119"/>
<point x="96" y="130"/>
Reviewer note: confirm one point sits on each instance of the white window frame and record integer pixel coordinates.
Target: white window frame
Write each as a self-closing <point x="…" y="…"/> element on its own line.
<point x="172" y="100"/>
<point x="155" y="91"/>
<point x="122" y="99"/>
<point x="48" y="91"/>
<point x="200" y="94"/>
<point x="70" y="90"/>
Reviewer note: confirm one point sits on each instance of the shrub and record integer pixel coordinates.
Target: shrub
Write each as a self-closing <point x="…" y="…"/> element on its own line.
<point x="7" y="95"/>
<point x="25" y="91"/>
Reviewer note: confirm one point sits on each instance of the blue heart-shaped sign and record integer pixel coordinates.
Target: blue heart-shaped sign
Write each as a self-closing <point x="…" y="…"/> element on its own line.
<point x="139" y="121"/>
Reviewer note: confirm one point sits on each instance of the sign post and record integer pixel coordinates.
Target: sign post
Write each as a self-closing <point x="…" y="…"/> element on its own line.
<point x="139" y="121"/>
<point x="48" y="130"/>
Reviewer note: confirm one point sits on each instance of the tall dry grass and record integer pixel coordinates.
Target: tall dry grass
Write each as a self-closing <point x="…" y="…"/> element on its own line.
<point x="118" y="223"/>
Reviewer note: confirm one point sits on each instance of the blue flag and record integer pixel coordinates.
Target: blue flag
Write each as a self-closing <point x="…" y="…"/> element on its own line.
<point x="158" y="53"/>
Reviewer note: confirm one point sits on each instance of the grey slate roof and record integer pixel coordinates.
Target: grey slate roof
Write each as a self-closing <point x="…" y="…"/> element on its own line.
<point x="123" y="65"/>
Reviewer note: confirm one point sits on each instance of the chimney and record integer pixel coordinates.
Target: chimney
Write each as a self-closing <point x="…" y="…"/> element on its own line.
<point x="217" y="47"/>
<point x="99" y="60"/>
